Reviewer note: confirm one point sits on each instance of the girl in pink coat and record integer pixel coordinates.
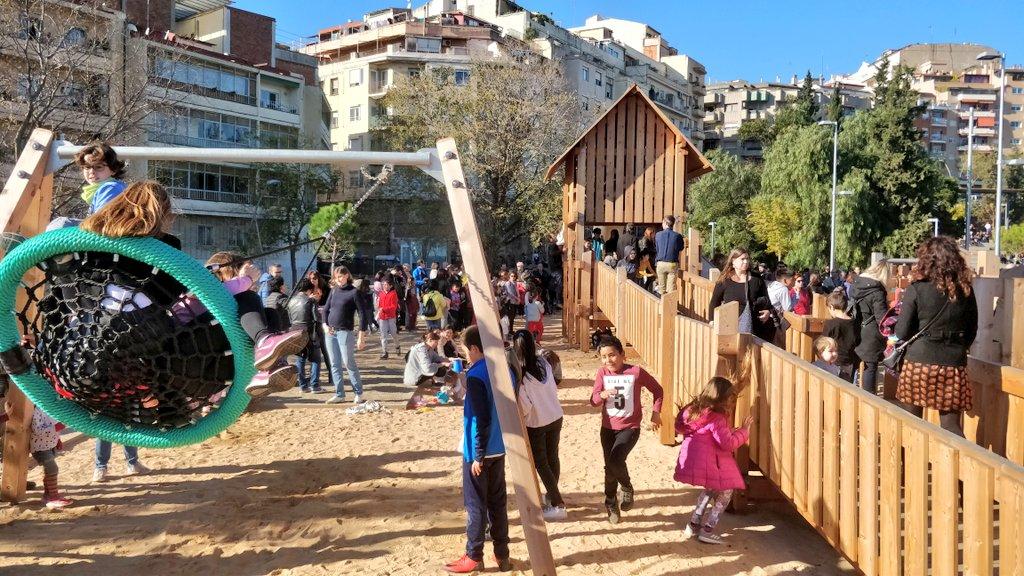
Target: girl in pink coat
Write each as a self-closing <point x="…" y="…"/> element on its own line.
<point x="705" y="458"/>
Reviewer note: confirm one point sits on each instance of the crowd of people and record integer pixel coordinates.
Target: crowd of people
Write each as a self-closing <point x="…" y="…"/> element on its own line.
<point x="650" y="257"/>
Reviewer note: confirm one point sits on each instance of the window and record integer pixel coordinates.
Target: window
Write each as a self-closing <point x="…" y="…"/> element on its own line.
<point x="355" y="143"/>
<point x="586" y="74"/>
<point x="31" y="28"/>
<point x="461" y="77"/>
<point x="334" y="119"/>
<point x="1015" y="124"/>
<point x="334" y="86"/>
<point x="355" y="179"/>
<point x="414" y="72"/>
<point x="354" y="113"/>
<point x="1014" y="141"/>
<point x="421" y="44"/>
<point x="597" y="78"/>
<point x="608" y="90"/>
<point x="355" y="77"/>
<point x="586" y="104"/>
<point x="205" y="235"/>
<point x="74" y="37"/>
<point x="270" y="100"/>
<point x="1015" y="108"/>
<point x="1016" y="90"/>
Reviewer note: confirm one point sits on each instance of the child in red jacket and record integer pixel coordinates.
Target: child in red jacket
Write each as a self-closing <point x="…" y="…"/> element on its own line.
<point x="705" y="458"/>
<point x="387" y="314"/>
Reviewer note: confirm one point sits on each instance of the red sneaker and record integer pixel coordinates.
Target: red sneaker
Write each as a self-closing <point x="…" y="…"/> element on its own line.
<point x="464" y="565"/>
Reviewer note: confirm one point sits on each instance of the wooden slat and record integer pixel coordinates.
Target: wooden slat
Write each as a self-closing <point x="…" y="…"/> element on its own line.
<point x="639" y="191"/>
<point x="830" y="464"/>
<point x="867" y="489"/>
<point x="620" y="165"/>
<point x="800" y="409"/>
<point x="915" y="501"/>
<point x="1011" y="526"/>
<point x="670" y="175"/>
<point x="659" y="172"/>
<point x="815" y="447"/>
<point x="679" y="182"/>
<point x="764" y="427"/>
<point x="848" y="474"/>
<point x="775" y="409"/>
<point x="629" y="108"/>
<point x="890" y="480"/>
<point x="1015" y="431"/>
<point x="591" y="154"/>
<point x="649" y="159"/>
<point x="788" y="382"/>
<point x="608" y="214"/>
<point x="978" y="531"/>
<point x="945" y="502"/>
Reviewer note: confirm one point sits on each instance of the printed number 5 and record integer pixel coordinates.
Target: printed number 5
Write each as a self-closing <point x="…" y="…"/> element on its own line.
<point x="620" y="400"/>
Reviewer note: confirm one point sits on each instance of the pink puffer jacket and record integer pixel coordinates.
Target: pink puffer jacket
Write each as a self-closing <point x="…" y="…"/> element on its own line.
<point x="705" y="458"/>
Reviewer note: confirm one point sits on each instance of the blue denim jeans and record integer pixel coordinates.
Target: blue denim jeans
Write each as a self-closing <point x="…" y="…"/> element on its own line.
<point x="486" y="500"/>
<point x="341" y="351"/>
<point x="314" y="373"/>
<point x="434" y="324"/>
<point x="131" y="454"/>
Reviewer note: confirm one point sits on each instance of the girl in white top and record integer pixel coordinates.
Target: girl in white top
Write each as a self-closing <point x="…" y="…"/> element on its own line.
<point x="542" y="412"/>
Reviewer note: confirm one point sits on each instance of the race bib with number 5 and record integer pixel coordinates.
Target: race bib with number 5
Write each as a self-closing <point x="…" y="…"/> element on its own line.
<point x="621" y="404"/>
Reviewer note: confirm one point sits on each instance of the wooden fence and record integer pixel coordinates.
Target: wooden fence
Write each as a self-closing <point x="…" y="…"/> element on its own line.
<point x="695" y="295"/>
<point x="894" y="493"/>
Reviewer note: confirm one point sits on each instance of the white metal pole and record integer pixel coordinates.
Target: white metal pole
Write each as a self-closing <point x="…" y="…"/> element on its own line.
<point x="999" y="154"/>
<point x="835" y="170"/>
<point x="712" y="257"/>
<point x="970" y="180"/>
<point x="420" y="159"/>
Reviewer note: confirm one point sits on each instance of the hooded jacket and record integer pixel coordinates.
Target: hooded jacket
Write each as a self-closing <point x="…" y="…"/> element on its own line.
<point x="869" y="297"/>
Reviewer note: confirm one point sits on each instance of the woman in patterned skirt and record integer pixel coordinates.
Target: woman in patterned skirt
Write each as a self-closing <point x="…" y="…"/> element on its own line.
<point x="934" y="373"/>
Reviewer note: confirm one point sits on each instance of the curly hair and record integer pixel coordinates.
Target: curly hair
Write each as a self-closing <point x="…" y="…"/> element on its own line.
<point x="939" y="262"/>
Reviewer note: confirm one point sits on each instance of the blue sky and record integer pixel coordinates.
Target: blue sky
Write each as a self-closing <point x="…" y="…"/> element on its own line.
<point x="750" y="39"/>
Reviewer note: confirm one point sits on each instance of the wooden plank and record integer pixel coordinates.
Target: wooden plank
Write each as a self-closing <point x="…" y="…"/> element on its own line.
<point x="659" y="172"/>
<point x="775" y="411"/>
<point x="814" y="449"/>
<point x="800" y="409"/>
<point x="629" y="159"/>
<point x="590" y="186"/>
<point x="848" y="474"/>
<point x="649" y="159"/>
<point x="1015" y="325"/>
<point x="24" y="208"/>
<point x="830" y="464"/>
<point x="640" y="110"/>
<point x="788" y="383"/>
<point x="679" y="180"/>
<point x="890" y="481"/>
<point x="668" y="345"/>
<point x="945" y="503"/>
<point x="620" y="164"/>
<point x="608" y="213"/>
<point x="867" y="489"/>
<point x="1011" y="525"/>
<point x="670" y="175"/>
<point x="524" y="477"/>
<point x="1015" y="431"/>
<point x="978" y="530"/>
<point x="915" y="501"/>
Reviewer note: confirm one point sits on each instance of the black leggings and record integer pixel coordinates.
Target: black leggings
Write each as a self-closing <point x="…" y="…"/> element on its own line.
<point x="251" y="315"/>
<point x="869" y="379"/>
<point x="617" y="445"/>
<point x="544" y="445"/>
<point x="949" y="420"/>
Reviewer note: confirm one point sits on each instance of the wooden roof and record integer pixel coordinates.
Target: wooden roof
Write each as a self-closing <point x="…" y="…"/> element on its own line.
<point x="697" y="164"/>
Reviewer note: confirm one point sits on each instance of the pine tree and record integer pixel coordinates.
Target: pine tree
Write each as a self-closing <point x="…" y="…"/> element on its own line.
<point x="805" y="101"/>
<point x="835" y="105"/>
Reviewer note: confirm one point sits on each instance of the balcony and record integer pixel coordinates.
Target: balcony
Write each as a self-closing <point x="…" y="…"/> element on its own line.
<point x="978" y="131"/>
<point x="196" y="142"/>
<point x="976" y="98"/>
<point x="274" y="105"/>
<point x="966" y="114"/>
<point x="939" y="122"/>
<point x="378" y="89"/>
<point x="977" y="148"/>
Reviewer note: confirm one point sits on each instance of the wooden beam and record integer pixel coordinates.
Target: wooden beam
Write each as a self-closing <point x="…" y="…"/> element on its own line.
<point x="524" y="477"/>
<point x="669" y="305"/>
<point x="693" y="251"/>
<point x="24" y="208"/>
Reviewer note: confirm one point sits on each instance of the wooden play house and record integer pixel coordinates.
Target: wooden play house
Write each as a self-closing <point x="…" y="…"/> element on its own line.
<point x="630" y="167"/>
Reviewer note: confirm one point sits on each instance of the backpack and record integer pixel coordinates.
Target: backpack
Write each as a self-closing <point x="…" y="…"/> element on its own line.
<point x="429" y="307"/>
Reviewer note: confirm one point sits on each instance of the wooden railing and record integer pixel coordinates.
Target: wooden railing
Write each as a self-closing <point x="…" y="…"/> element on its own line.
<point x="695" y="295"/>
<point x="605" y="291"/>
<point x="894" y="493"/>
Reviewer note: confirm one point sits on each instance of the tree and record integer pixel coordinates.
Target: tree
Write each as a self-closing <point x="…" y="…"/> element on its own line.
<point x="801" y="111"/>
<point x="834" y="112"/>
<point x="805" y="104"/>
<point x="1013" y="239"/>
<point x="510" y="118"/>
<point x="285" y="203"/>
<point x="340" y="243"/>
<point x="723" y="197"/>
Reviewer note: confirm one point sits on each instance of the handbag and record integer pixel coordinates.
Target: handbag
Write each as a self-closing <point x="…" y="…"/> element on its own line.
<point x="893" y="361"/>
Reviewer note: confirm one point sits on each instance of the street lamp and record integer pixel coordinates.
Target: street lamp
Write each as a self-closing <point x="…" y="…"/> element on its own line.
<point x="970" y="181"/>
<point x="712" y="224"/>
<point x="835" y="167"/>
<point x="983" y="57"/>
<point x="935" y="226"/>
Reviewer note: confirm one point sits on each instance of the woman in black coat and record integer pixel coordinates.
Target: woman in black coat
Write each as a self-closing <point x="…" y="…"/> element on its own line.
<point x="737" y="284"/>
<point x="941" y="301"/>
<point x="870" y="296"/>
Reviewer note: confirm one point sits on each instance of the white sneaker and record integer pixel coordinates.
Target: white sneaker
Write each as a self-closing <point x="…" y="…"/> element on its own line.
<point x="99" y="475"/>
<point x="709" y="538"/>
<point x="552" y="513"/>
<point x="689" y="532"/>
<point x="335" y="400"/>
<point x="358" y="399"/>
<point x="135" y="469"/>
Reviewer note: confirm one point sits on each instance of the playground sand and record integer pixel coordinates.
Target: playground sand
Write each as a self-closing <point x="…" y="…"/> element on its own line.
<point x="300" y="488"/>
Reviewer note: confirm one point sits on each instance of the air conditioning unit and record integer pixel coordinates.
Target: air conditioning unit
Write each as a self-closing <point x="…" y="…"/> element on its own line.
<point x="446" y="43"/>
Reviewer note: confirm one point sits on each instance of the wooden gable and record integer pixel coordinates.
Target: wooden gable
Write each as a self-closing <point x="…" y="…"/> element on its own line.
<point x="631" y="166"/>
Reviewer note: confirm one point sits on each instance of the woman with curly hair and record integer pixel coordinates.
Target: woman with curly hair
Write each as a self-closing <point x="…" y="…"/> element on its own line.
<point x="941" y="302"/>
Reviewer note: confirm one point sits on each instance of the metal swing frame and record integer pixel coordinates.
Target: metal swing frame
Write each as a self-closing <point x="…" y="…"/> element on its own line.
<point x="25" y="205"/>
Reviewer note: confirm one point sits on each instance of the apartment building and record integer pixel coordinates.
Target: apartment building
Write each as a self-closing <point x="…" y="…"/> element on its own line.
<point x="951" y="81"/>
<point x="227" y="85"/>
<point x="728" y="105"/>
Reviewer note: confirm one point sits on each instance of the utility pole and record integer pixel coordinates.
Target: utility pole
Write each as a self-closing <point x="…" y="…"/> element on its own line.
<point x="970" y="180"/>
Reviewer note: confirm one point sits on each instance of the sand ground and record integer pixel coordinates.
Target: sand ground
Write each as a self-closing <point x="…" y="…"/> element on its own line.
<point x="297" y="487"/>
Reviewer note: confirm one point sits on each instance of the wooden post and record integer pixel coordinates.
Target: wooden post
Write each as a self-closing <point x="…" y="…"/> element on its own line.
<point x="669" y="306"/>
<point x="524" y="477"/>
<point x="25" y="209"/>
<point x="620" y="285"/>
<point x="693" y="251"/>
<point x="1013" y="326"/>
<point x="585" y="304"/>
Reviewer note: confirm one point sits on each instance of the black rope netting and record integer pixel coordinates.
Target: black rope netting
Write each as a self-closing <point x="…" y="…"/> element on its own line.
<point x="121" y="339"/>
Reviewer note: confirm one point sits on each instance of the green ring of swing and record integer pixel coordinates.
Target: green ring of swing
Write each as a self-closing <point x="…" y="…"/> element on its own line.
<point x="196" y="278"/>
